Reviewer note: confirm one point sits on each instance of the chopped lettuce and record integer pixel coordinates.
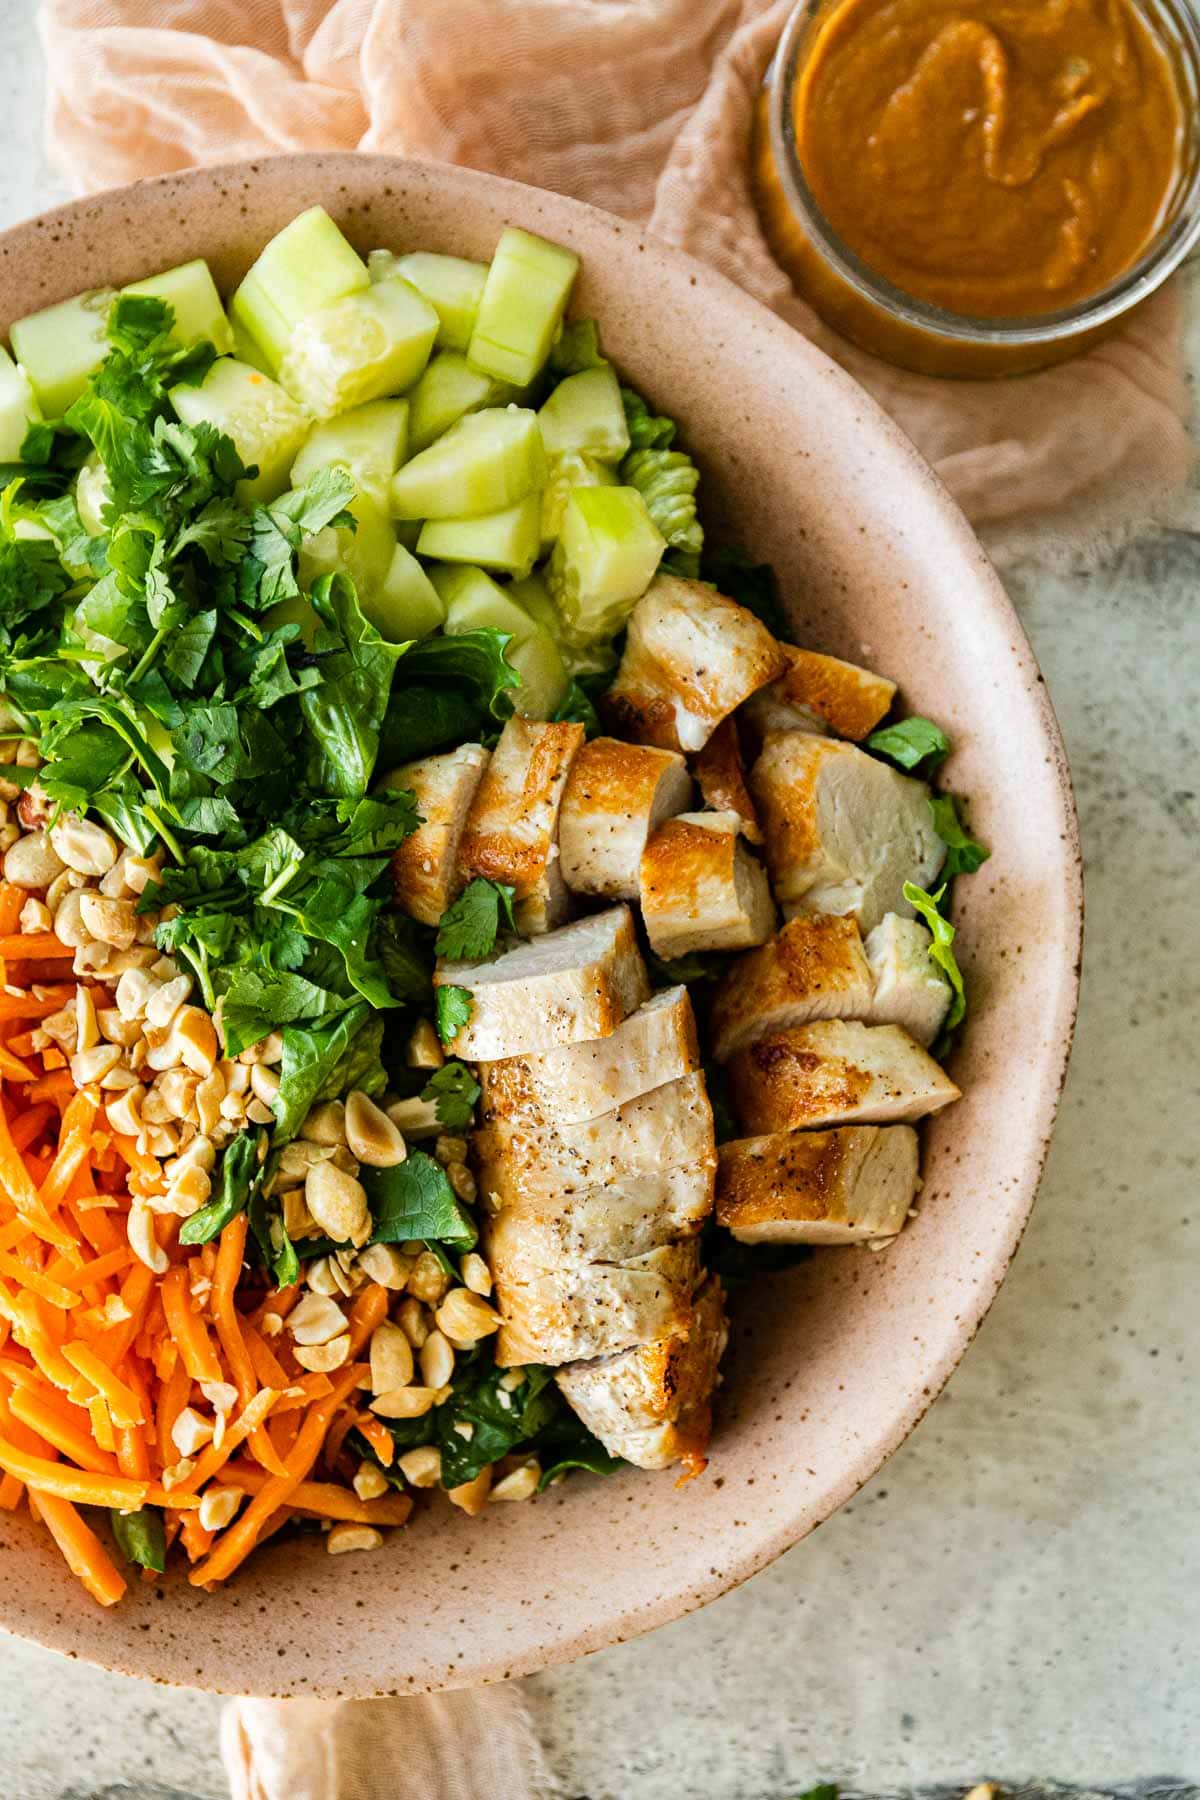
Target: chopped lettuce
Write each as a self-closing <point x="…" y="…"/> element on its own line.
<point x="941" y="953"/>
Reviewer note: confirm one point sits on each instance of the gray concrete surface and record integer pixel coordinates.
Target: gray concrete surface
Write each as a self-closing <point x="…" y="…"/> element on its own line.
<point x="1015" y="1595"/>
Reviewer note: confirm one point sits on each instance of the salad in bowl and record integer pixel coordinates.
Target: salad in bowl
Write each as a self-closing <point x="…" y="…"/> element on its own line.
<point x="450" y="931"/>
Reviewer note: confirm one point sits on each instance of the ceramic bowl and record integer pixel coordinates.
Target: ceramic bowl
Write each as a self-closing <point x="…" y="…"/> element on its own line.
<point x="833" y="1363"/>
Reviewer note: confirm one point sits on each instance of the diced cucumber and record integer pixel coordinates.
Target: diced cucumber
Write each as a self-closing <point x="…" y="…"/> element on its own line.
<point x="487" y="461"/>
<point x="566" y="473"/>
<point x="407" y="532"/>
<point x="524" y="298"/>
<point x="532" y="596"/>
<point x="585" y="414"/>
<point x="508" y="541"/>
<point x="192" y="294"/>
<point x="603" y="561"/>
<point x="407" y="605"/>
<point x="246" y="349"/>
<point x="364" y="554"/>
<point x="61" y="346"/>
<point x="266" y="425"/>
<point x="306" y="266"/>
<point x="17" y="407"/>
<point x="295" y="610"/>
<point x="449" y="388"/>
<point x="453" y="287"/>
<point x="91" y="494"/>
<point x="368" y="440"/>
<point x="474" y="603"/>
<point x="361" y="348"/>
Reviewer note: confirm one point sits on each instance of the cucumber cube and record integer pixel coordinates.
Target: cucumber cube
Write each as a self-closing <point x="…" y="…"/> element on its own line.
<point x="363" y="347"/>
<point x="474" y="602"/>
<point x="364" y="554"/>
<point x="508" y="541"/>
<point x="453" y="287"/>
<point x="407" y="605"/>
<point x="567" y="473"/>
<point x="266" y="425"/>
<point x="18" y="408"/>
<point x="603" y="561"/>
<point x="585" y="415"/>
<point x="368" y="440"/>
<point x="485" y="462"/>
<point x="91" y="494"/>
<point x="61" y="346"/>
<point x="524" y="298"/>
<point x="449" y="388"/>
<point x="533" y="596"/>
<point x="192" y="294"/>
<point x="306" y="266"/>
<point x="246" y="349"/>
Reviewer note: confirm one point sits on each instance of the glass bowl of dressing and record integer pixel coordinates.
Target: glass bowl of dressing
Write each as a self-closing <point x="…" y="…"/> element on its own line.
<point x="980" y="187"/>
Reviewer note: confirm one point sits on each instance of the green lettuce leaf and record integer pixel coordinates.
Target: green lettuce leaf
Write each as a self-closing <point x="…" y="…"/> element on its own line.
<point x="941" y="952"/>
<point x="911" y="742"/>
<point x="964" y="853"/>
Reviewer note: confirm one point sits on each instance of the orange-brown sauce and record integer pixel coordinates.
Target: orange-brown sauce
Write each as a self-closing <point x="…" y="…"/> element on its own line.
<point x="992" y="157"/>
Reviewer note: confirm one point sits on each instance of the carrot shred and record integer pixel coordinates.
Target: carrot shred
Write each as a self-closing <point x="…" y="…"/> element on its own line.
<point x="29" y="1006"/>
<point x="196" y="1538"/>
<point x="133" y="1454"/>
<point x="11" y="1066"/>
<point x="327" y="1498"/>
<point x="19" y="1189"/>
<point x="28" y="1128"/>
<point x="12" y="899"/>
<point x="213" y="1458"/>
<point x="82" y="1550"/>
<point x="122" y="1402"/>
<point x="173" y="1396"/>
<point x="187" y="1328"/>
<point x="368" y="1311"/>
<point x="102" y="1425"/>
<point x="267" y="1366"/>
<point x="57" y="1086"/>
<point x="10" y="1493"/>
<point x="26" y="945"/>
<point x="90" y="1274"/>
<point x="137" y="1160"/>
<point x="378" y="1436"/>
<point x="238" y="1540"/>
<point x="81" y="1486"/>
<point x="229" y="1266"/>
<point x="52" y="1421"/>
<point x="37" y="1283"/>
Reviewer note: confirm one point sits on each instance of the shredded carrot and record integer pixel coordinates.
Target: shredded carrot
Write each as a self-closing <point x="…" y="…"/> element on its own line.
<point x="28" y="1128"/>
<point x="12" y="1068"/>
<point x="267" y="1366"/>
<point x="102" y="1425"/>
<point x="378" y="1436"/>
<point x="53" y="1421"/>
<point x="337" y="1435"/>
<point x="328" y="1498"/>
<point x="91" y="1273"/>
<point x="57" y="1086"/>
<point x="173" y="1396"/>
<point x="82" y="1487"/>
<point x="225" y="1280"/>
<point x="235" y="1544"/>
<point x="73" y="1150"/>
<point x="36" y="1282"/>
<point x="122" y="1402"/>
<point x="133" y="1454"/>
<point x="29" y="1006"/>
<point x="187" y="1328"/>
<point x="12" y="899"/>
<point x="136" y="1159"/>
<point x="211" y="1459"/>
<point x="82" y="1550"/>
<point x="196" y="1538"/>
<point x="26" y="945"/>
<point x="17" y="1186"/>
<point x="263" y="1449"/>
<point x="10" y="1493"/>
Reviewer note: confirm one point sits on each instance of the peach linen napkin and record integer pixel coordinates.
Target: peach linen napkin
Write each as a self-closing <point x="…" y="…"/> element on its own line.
<point x="639" y="106"/>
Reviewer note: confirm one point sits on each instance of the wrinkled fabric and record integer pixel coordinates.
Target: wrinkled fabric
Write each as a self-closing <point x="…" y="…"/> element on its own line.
<point x="639" y="106"/>
<point x="476" y="1744"/>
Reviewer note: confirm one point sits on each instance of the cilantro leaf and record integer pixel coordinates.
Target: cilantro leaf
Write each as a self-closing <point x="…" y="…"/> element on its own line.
<point x="454" y="1091"/>
<point x="470" y="925"/>
<point x="941" y="952"/>
<point x="911" y="742"/>
<point x="31" y="577"/>
<point x="454" y="1007"/>
<point x="964" y="854"/>
<point x="141" y="1538"/>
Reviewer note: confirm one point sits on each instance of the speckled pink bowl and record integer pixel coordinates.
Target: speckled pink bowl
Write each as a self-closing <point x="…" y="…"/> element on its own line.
<point x="832" y="1364"/>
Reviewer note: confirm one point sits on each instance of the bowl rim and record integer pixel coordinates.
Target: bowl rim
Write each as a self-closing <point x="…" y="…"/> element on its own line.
<point x="752" y="1553"/>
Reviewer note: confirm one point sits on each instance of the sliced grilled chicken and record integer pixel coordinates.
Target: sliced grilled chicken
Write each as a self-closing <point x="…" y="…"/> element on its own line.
<point x="814" y="968"/>
<point x="615" y="796"/>
<point x="818" y="694"/>
<point x="596" y="1309"/>
<point x="844" y="832"/>
<point x="701" y="888"/>
<point x="910" y="990"/>
<point x="569" y="985"/>
<point x="652" y="1404"/>
<point x="669" y="1128"/>
<point x="425" y="872"/>
<point x="848" y="1186"/>
<point x="512" y="827"/>
<point x="835" y="1072"/>
<point x="721" y="778"/>
<point x="690" y="658"/>
<point x="535" y="1234"/>
<point x="654" y="1045"/>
